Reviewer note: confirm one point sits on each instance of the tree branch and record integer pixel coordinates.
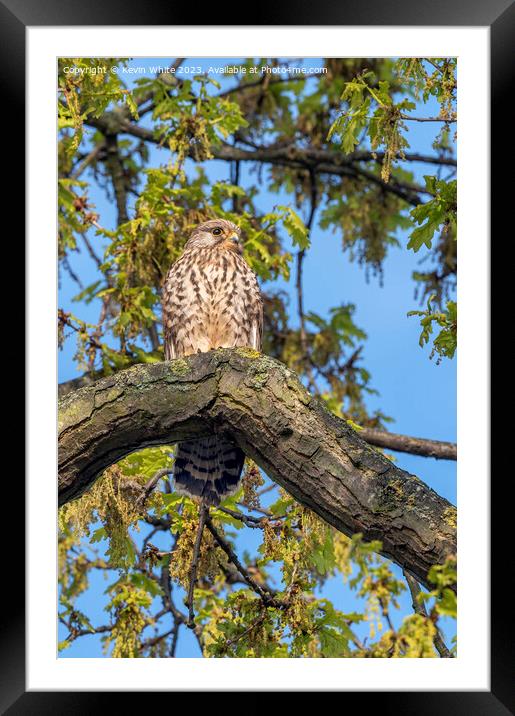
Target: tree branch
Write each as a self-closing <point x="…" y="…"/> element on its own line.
<point x="419" y="608"/>
<point x="203" y="515"/>
<point x="115" y="167"/>
<point x="93" y="155"/>
<point x="298" y="281"/>
<point x="320" y="161"/>
<point x="424" y="447"/>
<point x="318" y="458"/>
<point x="267" y="596"/>
<point x="415" y="446"/>
<point x="151" y="484"/>
<point x="428" y="119"/>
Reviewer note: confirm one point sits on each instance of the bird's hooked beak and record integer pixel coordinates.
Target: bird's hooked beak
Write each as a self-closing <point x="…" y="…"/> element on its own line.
<point x="233" y="236"/>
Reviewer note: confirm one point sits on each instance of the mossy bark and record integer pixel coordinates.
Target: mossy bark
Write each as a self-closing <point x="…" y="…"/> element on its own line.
<point x="318" y="458"/>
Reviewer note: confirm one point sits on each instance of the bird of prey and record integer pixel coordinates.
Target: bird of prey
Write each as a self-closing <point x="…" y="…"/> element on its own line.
<point x="211" y="299"/>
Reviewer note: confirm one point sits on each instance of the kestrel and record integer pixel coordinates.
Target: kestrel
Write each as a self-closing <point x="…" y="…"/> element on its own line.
<point x="211" y="299"/>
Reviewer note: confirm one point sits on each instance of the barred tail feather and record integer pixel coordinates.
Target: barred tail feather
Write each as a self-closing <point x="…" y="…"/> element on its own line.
<point x="208" y="468"/>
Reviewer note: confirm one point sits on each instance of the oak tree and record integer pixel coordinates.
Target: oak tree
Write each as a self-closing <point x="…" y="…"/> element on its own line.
<point x="319" y="496"/>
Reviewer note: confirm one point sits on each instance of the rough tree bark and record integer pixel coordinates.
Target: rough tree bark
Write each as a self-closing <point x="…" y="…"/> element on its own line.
<point x="406" y="443"/>
<point x="424" y="447"/>
<point x="318" y="458"/>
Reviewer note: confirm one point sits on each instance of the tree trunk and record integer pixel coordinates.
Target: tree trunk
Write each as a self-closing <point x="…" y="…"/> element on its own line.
<point x="318" y="458"/>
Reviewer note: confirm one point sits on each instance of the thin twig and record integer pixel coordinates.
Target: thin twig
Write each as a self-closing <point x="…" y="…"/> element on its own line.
<point x="250" y="628"/>
<point x="261" y="510"/>
<point x="91" y="251"/>
<point x="173" y="646"/>
<point x="386" y="615"/>
<point x="151" y="484"/>
<point x="88" y="159"/>
<point x="151" y="641"/>
<point x="167" y="77"/>
<point x="167" y="600"/>
<point x="249" y="520"/>
<point x="203" y="516"/>
<point x="429" y="119"/>
<point x="265" y="595"/>
<point x="419" y="608"/>
<point x="116" y="169"/>
<point x="72" y="273"/>
<point x="266" y="489"/>
<point x="76" y="633"/>
<point x="298" y="284"/>
<point x="274" y="81"/>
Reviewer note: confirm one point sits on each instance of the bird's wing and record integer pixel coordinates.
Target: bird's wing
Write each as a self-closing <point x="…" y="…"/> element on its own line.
<point x="256" y="328"/>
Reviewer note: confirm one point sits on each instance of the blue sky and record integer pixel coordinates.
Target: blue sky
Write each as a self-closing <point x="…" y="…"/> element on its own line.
<point x="419" y="394"/>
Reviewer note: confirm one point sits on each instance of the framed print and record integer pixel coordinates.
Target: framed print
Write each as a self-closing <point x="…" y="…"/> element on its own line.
<point x="255" y="274"/>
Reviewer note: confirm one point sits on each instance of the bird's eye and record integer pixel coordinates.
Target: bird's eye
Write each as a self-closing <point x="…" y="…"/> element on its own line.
<point x="217" y="231"/>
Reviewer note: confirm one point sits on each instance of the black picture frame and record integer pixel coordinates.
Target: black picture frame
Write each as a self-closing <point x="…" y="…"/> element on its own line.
<point x="499" y="16"/>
